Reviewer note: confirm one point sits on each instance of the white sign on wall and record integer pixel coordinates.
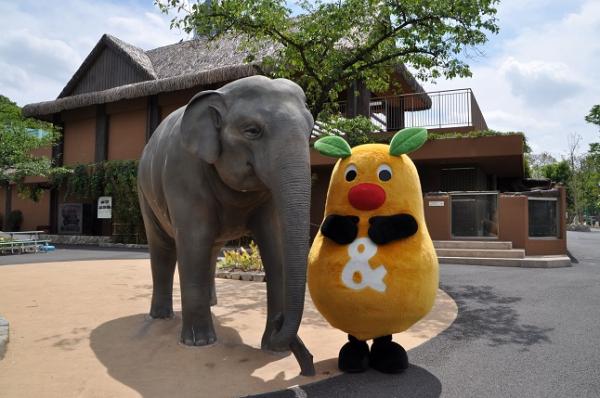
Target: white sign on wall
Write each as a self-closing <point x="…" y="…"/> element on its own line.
<point x="105" y="207"/>
<point x="436" y="203"/>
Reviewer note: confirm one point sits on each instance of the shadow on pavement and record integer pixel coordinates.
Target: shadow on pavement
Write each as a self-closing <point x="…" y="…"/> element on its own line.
<point x="415" y="382"/>
<point x="144" y="354"/>
<point x="484" y="314"/>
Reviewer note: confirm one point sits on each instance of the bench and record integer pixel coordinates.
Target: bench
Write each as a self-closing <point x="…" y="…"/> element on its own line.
<point x="24" y="242"/>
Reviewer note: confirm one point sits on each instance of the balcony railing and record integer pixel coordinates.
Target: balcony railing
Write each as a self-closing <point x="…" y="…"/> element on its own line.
<point x="433" y="110"/>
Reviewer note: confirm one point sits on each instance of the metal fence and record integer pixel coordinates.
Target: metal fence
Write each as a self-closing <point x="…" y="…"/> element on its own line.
<point x="474" y="214"/>
<point x="446" y="109"/>
<point x="544" y="219"/>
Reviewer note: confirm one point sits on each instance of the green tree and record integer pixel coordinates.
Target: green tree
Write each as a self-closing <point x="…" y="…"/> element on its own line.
<point x="558" y="172"/>
<point x="20" y="137"/>
<point x="594" y="115"/>
<point x="589" y="175"/>
<point x="537" y="161"/>
<point x="330" y="45"/>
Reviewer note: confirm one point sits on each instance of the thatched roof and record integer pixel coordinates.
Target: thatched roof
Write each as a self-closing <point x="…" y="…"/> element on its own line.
<point x="192" y="63"/>
<point x="134" y="54"/>
<point x="192" y="56"/>
<point x="140" y="89"/>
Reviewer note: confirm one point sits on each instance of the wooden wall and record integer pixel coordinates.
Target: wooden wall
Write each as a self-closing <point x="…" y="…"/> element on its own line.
<point x="108" y="71"/>
<point x="126" y="129"/>
<point x="35" y="214"/>
<point x="79" y="135"/>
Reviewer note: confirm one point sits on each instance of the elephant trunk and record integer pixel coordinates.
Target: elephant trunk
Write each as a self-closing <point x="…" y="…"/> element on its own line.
<point x="291" y="194"/>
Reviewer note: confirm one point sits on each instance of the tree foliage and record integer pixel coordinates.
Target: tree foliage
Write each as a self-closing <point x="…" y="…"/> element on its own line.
<point x="20" y="137"/>
<point x="355" y="130"/>
<point x="558" y="172"/>
<point x="581" y="175"/>
<point x="116" y="178"/>
<point x="594" y="115"/>
<point x="538" y="161"/>
<point x="590" y="180"/>
<point x="328" y="45"/>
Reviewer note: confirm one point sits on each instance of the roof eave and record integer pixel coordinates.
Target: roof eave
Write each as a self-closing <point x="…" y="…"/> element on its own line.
<point x="141" y="89"/>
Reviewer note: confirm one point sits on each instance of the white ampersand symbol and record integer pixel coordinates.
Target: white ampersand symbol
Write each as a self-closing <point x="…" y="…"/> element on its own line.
<point x="360" y="251"/>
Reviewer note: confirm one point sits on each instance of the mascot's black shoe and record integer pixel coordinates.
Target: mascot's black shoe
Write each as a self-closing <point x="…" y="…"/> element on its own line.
<point x="354" y="356"/>
<point x="387" y="356"/>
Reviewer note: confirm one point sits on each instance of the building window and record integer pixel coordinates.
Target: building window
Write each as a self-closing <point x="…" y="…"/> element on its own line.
<point x="543" y="217"/>
<point x="475" y="214"/>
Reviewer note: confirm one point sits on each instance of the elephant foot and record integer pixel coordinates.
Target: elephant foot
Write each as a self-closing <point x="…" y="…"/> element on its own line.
<point x="388" y="356"/>
<point x="198" y="335"/>
<point x="161" y="311"/>
<point x="273" y="326"/>
<point x="266" y="343"/>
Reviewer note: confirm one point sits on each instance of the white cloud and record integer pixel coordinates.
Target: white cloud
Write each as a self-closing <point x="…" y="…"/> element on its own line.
<point x="39" y="55"/>
<point x="540" y="84"/>
<point x="544" y="74"/>
<point x="13" y="77"/>
<point x="43" y="45"/>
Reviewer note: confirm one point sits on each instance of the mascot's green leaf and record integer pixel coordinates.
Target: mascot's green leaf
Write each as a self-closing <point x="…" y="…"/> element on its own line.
<point x="408" y="140"/>
<point x="333" y="146"/>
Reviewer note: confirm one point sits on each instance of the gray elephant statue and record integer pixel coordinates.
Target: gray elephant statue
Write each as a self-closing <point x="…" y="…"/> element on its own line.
<point x="232" y="162"/>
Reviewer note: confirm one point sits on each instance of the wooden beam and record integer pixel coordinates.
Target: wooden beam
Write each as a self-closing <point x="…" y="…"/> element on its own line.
<point x="57" y="159"/>
<point x="363" y="101"/>
<point x="153" y="113"/>
<point x="7" y="204"/>
<point x="101" y="152"/>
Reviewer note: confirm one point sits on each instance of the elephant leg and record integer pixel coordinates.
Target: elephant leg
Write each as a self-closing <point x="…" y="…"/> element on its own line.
<point x="196" y="280"/>
<point x="267" y="235"/>
<point x="213" y="267"/>
<point x="162" y="260"/>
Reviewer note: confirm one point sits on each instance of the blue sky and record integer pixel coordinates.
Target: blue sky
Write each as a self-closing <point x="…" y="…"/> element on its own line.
<point x="539" y="75"/>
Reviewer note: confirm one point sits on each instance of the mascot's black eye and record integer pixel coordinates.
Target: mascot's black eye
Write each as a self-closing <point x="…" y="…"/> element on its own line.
<point x="350" y="173"/>
<point x="384" y="172"/>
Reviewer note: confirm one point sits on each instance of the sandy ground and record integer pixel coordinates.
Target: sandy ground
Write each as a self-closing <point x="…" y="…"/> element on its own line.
<point x="79" y="329"/>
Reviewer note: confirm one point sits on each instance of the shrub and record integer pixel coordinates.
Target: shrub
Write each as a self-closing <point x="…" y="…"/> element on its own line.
<point x="241" y="259"/>
<point x="355" y="130"/>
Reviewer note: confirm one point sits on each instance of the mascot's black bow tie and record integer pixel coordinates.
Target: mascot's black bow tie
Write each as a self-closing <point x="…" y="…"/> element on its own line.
<point x="382" y="229"/>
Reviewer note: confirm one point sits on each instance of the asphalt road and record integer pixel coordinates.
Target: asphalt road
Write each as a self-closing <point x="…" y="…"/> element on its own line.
<point x="74" y="252"/>
<point x="519" y="333"/>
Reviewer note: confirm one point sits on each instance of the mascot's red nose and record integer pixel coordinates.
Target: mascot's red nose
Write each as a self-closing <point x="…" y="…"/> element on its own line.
<point x="366" y="196"/>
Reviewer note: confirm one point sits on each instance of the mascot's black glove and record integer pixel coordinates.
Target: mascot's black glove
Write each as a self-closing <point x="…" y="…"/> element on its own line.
<point x="385" y="229"/>
<point x="340" y="229"/>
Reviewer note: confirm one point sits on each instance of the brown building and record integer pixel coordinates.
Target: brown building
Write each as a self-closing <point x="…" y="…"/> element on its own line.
<point x="118" y="96"/>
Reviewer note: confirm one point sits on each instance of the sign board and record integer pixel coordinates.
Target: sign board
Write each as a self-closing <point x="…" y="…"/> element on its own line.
<point x="105" y="207"/>
<point x="70" y="217"/>
<point x="436" y="203"/>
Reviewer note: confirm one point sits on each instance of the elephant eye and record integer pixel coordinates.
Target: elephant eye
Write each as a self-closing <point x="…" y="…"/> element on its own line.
<point x="384" y="172"/>
<point x="252" y="133"/>
<point x="350" y="172"/>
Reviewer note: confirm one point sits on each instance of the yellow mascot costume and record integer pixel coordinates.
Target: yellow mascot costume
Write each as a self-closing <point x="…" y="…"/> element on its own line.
<point x="372" y="267"/>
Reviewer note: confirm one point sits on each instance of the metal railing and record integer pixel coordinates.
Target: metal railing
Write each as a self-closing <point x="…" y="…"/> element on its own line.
<point x="436" y="109"/>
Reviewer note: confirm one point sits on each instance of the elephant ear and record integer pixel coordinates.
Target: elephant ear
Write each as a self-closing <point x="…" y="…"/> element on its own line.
<point x="201" y="124"/>
<point x="333" y="146"/>
<point x="407" y="140"/>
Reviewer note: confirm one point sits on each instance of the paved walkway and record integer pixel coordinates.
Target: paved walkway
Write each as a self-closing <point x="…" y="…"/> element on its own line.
<point x="79" y="329"/>
<point x="519" y="333"/>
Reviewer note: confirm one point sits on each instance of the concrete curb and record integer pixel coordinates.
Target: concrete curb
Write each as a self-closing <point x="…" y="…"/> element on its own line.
<point x="3" y="336"/>
<point x="241" y="275"/>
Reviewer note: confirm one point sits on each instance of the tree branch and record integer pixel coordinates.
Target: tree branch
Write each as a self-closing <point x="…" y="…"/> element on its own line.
<point x="366" y="50"/>
<point x="413" y="50"/>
